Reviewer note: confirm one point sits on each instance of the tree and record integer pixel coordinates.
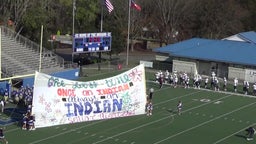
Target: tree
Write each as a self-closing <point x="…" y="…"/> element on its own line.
<point x="217" y="19"/>
<point x="249" y="18"/>
<point x="166" y="18"/>
<point x="13" y="11"/>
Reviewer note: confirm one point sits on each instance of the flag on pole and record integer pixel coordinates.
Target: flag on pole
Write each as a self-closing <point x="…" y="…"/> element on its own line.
<point x="109" y="6"/>
<point x="135" y="6"/>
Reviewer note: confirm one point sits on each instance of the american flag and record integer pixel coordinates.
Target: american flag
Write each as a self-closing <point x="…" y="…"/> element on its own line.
<point x="109" y="6"/>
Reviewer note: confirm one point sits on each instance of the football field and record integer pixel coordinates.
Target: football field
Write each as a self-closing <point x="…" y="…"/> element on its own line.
<point x="207" y="117"/>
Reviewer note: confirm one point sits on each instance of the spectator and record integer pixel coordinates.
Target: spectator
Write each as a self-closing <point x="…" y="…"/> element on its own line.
<point x="6" y="95"/>
<point x="31" y="120"/>
<point x="24" y="122"/>
<point x="2" y="105"/>
<point x="2" y="138"/>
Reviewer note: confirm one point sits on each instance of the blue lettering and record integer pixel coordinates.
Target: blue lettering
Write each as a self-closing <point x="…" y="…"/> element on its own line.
<point x="69" y="114"/>
<point x="88" y="108"/>
<point x="78" y="107"/>
<point x="97" y="107"/>
<point x="106" y="106"/>
<point x="117" y="105"/>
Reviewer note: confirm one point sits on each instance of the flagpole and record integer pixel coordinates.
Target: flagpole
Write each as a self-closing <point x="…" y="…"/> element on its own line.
<point x="101" y="17"/>
<point x="73" y="25"/>
<point x="101" y="29"/>
<point x="128" y="33"/>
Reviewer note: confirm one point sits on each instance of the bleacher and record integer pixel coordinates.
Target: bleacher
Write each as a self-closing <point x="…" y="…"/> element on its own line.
<point x="21" y="56"/>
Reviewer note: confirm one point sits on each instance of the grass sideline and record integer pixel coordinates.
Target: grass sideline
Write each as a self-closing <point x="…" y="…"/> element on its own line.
<point x="207" y="117"/>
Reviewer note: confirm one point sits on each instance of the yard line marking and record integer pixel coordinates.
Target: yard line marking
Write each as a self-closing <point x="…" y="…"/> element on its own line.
<point x="232" y="134"/>
<point x="204" y="123"/>
<point x="59" y="134"/>
<point x="124" y="132"/>
<point x="77" y="140"/>
<point x="11" y="130"/>
<point x="64" y="133"/>
<point x="173" y="98"/>
<point x="178" y="97"/>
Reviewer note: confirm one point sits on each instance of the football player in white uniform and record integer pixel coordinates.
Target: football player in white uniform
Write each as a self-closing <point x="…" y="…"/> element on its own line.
<point x="235" y="84"/>
<point x="179" y="107"/>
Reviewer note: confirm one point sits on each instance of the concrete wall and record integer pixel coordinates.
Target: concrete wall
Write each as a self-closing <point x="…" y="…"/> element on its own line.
<point x="204" y="68"/>
<point x="250" y="75"/>
<point x="163" y="58"/>
<point x="236" y="73"/>
<point x="184" y="66"/>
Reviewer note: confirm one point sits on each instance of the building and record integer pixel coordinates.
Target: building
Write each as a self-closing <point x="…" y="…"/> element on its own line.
<point x="231" y="57"/>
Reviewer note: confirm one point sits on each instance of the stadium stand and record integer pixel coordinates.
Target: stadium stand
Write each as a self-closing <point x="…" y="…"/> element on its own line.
<point x="21" y="56"/>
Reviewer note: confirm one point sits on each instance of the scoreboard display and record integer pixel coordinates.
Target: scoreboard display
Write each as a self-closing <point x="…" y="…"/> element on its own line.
<point x="92" y="42"/>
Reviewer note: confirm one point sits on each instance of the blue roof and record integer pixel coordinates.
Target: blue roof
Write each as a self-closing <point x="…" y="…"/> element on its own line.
<point x="248" y="36"/>
<point x="213" y="50"/>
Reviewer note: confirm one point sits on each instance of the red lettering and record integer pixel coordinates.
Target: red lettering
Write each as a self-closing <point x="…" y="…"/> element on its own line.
<point x="66" y="92"/>
<point x="87" y="93"/>
<point x="116" y="89"/>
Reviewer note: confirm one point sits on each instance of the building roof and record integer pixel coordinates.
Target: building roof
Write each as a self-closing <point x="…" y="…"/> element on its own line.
<point x="244" y="36"/>
<point x="213" y="50"/>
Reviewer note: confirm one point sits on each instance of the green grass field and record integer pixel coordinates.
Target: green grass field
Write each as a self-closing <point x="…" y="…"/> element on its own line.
<point x="207" y="117"/>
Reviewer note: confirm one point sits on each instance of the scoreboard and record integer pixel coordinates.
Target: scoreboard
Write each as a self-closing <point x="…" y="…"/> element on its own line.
<point x="92" y="42"/>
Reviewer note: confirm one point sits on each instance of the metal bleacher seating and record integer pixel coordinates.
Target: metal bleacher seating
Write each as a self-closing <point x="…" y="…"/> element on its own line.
<point x="21" y="56"/>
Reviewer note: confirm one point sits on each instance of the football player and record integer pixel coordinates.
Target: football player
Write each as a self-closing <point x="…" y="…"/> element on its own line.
<point x="235" y="84"/>
<point x="224" y="84"/>
<point x="179" y="107"/>
<point x="250" y="133"/>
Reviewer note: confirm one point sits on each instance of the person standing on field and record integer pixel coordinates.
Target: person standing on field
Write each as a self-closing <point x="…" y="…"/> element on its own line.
<point x="250" y="133"/>
<point x="179" y="107"/>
